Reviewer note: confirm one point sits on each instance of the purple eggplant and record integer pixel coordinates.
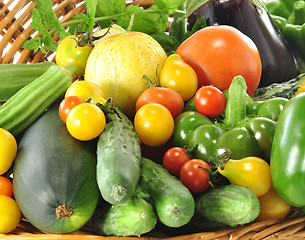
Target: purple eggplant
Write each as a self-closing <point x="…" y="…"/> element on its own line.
<point x="278" y="62"/>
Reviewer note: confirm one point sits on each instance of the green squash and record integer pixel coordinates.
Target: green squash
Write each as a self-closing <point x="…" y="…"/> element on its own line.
<point x="54" y="176"/>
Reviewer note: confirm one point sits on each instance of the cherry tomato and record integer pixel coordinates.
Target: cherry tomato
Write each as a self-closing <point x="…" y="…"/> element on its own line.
<point x="10" y="214"/>
<point x="8" y="150"/>
<point x="178" y="75"/>
<point x="67" y="104"/>
<point x="6" y="186"/>
<point x="195" y="176"/>
<point x="164" y="96"/>
<point x="86" y="90"/>
<point x="210" y="101"/>
<point x="219" y="53"/>
<point x="154" y="124"/>
<point x="174" y="158"/>
<point x="85" y="121"/>
<point x="68" y="52"/>
<point x="272" y="206"/>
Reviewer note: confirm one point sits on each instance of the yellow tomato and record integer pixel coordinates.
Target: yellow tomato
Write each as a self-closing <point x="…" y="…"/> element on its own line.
<point x="8" y="150"/>
<point x="86" y="90"/>
<point x="154" y="124"/>
<point x="272" y="206"/>
<point x="10" y="214"/>
<point x="179" y="76"/>
<point x="68" y="52"/>
<point x="252" y="172"/>
<point x="85" y="121"/>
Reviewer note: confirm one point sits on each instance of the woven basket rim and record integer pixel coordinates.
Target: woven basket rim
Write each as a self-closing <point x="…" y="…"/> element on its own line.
<point x="15" y="29"/>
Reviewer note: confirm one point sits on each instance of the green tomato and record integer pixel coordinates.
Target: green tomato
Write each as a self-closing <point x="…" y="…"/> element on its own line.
<point x="68" y="52"/>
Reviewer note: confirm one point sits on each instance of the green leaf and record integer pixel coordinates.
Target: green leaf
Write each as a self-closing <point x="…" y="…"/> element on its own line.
<point x="48" y="17"/>
<point x="168" y="5"/>
<point x="91" y="10"/>
<point x="37" y="22"/>
<point x="169" y="42"/>
<point x="109" y="8"/>
<point x="34" y="44"/>
<point x="82" y="25"/>
<point x="192" y="5"/>
<point x="149" y="21"/>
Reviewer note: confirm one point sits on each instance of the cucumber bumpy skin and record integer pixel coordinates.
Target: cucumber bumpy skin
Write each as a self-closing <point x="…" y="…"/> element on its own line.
<point x="132" y="218"/>
<point x="118" y="158"/>
<point x="230" y="205"/>
<point x="24" y="107"/>
<point x="13" y="77"/>
<point x="173" y="202"/>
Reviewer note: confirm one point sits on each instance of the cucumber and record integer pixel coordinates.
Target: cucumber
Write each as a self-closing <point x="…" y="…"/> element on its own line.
<point x="25" y="106"/>
<point x="230" y="205"/>
<point x="54" y="176"/>
<point x="285" y="89"/>
<point x="13" y="77"/>
<point x="173" y="202"/>
<point x="134" y="217"/>
<point x="118" y="158"/>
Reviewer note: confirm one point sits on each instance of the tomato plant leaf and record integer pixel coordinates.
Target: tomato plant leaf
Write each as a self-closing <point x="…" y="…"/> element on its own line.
<point x="168" y="5"/>
<point x="149" y="21"/>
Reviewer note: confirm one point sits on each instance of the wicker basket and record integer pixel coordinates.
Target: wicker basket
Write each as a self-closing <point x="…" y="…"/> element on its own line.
<point x="15" y="29"/>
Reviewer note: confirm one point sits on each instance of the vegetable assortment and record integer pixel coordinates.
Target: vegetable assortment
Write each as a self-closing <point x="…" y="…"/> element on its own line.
<point x="72" y="152"/>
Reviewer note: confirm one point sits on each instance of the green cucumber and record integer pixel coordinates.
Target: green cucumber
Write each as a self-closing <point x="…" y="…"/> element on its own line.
<point x="13" y="77"/>
<point x="118" y="158"/>
<point x="285" y="89"/>
<point x="230" y="205"/>
<point x="173" y="202"/>
<point x="25" y="106"/>
<point x="134" y="217"/>
<point x="54" y="176"/>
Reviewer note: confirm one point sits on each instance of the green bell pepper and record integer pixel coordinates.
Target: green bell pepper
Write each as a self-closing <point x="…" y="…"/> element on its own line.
<point x="288" y="153"/>
<point x="289" y="18"/>
<point x="246" y="130"/>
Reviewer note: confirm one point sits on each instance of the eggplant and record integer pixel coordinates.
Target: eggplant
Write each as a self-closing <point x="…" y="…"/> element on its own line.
<point x="278" y="62"/>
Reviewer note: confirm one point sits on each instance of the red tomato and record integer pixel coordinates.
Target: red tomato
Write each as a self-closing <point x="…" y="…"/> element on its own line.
<point x="67" y="104"/>
<point x="174" y="158"/>
<point x="6" y="186"/>
<point x="167" y="97"/>
<point x="195" y="176"/>
<point x="219" y="53"/>
<point x="210" y="101"/>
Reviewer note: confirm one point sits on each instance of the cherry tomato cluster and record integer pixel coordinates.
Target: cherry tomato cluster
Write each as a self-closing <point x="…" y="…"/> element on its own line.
<point x="193" y="173"/>
<point x="84" y="119"/>
<point x="10" y="214"/>
<point x="156" y="109"/>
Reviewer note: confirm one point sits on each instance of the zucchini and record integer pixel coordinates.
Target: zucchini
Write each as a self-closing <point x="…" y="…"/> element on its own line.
<point x="173" y="202"/>
<point x="54" y="176"/>
<point x="229" y="205"/>
<point x="134" y="217"/>
<point x="13" y="77"/>
<point x="285" y="89"/>
<point x="25" y="106"/>
<point x="118" y="158"/>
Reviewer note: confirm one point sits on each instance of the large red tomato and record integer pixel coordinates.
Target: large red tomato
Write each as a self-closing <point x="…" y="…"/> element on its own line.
<point x="219" y="53"/>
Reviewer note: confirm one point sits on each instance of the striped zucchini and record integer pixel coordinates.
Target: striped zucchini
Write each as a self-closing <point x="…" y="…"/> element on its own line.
<point x="118" y="158"/>
<point x="13" y="77"/>
<point x="285" y="89"/>
<point x="25" y="106"/>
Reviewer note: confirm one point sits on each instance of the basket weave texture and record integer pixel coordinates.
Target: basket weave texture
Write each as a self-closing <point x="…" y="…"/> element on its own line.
<point x="15" y="29"/>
